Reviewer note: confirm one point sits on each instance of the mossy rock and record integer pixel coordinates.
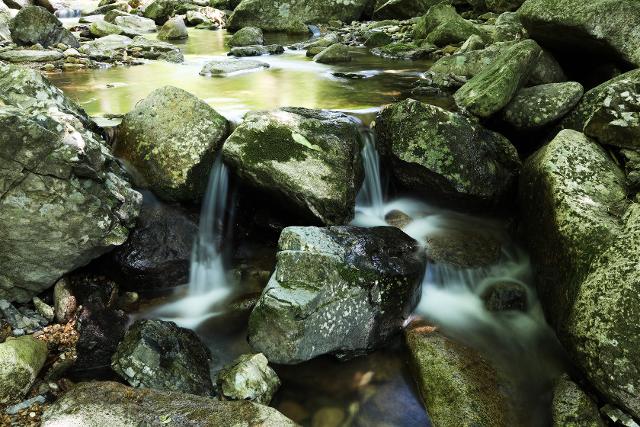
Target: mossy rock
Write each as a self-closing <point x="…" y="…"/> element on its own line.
<point x="247" y="36"/>
<point x="20" y="362"/>
<point x="335" y="53"/>
<point x="35" y="24"/>
<point x="572" y="407"/>
<point x="403" y="9"/>
<point x="443" y="26"/>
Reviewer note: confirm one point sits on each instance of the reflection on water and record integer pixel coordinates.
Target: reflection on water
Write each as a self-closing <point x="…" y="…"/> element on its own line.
<point x="292" y="80"/>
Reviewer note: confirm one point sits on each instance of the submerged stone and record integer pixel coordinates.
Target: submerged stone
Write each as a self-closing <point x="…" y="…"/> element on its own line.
<point x="20" y="362"/>
<point x="339" y="290"/>
<point x="35" y="24"/>
<point x="249" y="377"/>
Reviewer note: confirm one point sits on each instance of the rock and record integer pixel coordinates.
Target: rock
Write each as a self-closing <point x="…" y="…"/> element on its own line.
<point x="226" y="67"/>
<point x="249" y="377"/>
<point x="44" y="309"/>
<point x="334" y="54"/>
<point x="58" y="179"/>
<point x="160" y="10"/>
<point x="597" y="27"/>
<point x="158" y="253"/>
<point x="109" y="16"/>
<point x="65" y="304"/>
<point x="328" y="416"/>
<point x="337" y="290"/>
<point x="105" y="48"/>
<point x="404" y="51"/>
<point x="195" y="17"/>
<point x="156" y="49"/>
<point x="433" y="151"/>
<point x="173" y="29"/>
<point x="20" y="362"/>
<point x="184" y="134"/>
<point x="398" y="219"/>
<point x="442" y="26"/>
<point x="101" y="10"/>
<point x="492" y="89"/>
<point x="463" y="248"/>
<point x="291" y="16"/>
<point x="135" y="24"/>
<point x="34" y="24"/>
<point x="505" y="296"/>
<point x="256" y="50"/>
<point x="458" y="386"/>
<point x="378" y="39"/>
<point x="573" y="407"/>
<point x="293" y="142"/>
<point x="26" y="55"/>
<point x="247" y="36"/>
<point x="22" y="319"/>
<point x="102" y="28"/>
<point x="158" y="354"/>
<point x="5" y="32"/>
<point x="402" y="9"/>
<point x="539" y="106"/>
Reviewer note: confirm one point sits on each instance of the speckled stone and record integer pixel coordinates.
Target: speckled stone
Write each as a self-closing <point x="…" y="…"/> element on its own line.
<point x="249" y="377"/>
<point x="572" y="407"/>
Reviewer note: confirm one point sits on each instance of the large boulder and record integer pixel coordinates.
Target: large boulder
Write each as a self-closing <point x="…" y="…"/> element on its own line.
<point x="20" y="362"/>
<point x="437" y="152"/>
<point x="64" y="199"/>
<point x="402" y="9"/>
<point x="35" y="24"/>
<point x="158" y="354"/>
<point x="173" y="29"/>
<point x="247" y="36"/>
<point x="310" y="159"/>
<point x="339" y="290"/>
<point x="160" y="10"/>
<point x="573" y="407"/>
<point x="98" y="404"/>
<point x="291" y="16"/>
<point x="605" y="27"/>
<point x="492" y="88"/>
<point x="172" y="138"/>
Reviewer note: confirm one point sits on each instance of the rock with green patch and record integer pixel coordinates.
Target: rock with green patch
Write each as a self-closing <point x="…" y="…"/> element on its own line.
<point x="173" y="29"/>
<point x="247" y="36"/>
<point x="458" y="386"/>
<point x="103" y="28"/>
<point x="160" y="10"/>
<point x="308" y="159"/>
<point x="172" y="138"/>
<point x="291" y="16"/>
<point x="406" y="51"/>
<point x="539" y="106"/>
<point x="63" y="197"/>
<point x="378" y="39"/>
<point x="402" y="9"/>
<point x="596" y="27"/>
<point x="98" y="404"/>
<point x="248" y="377"/>
<point x="434" y="151"/>
<point x="28" y="55"/>
<point x="20" y="362"/>
<point x="494" y="86"/>
<point x="339" y="290"/>
<point x="158" y="354"/>
<point x="442" y="26"/>
<point x="35" y="24"/>
<point x="334" y="54"/>
<point x="572" y="407"/>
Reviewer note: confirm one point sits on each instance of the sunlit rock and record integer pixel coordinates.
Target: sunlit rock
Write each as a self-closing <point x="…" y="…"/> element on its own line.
<point x="34" y="24"/>
<point x="247" y="36"/>
<point x="173" y="29"/>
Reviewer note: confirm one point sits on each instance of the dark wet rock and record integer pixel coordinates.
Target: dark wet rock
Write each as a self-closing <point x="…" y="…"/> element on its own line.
<point x="275" y="151"/>
<point x="462" y="248"/>
<point x="539" y="106"/>
<point x="27" y="55"/>
<point x="102" y="28"/>
<point x="226" y="67"/>
<point x="337" y="290"/>
<point x="248" y="377"/>
<point x="434" y="151"/>
<point x="58" y="179"/>
<point x="155" y="49"/>
<point x="6" y="330"/>
<point x="35" y="24"/>
<point x="184" y="133"/>
<point x="247" y="36"/>
<point x="291" y="16"/>
<point x="573" y="407"/>
<point x="256" y="50"/>
<point x="459" y="387"/>
<point x="632" y="169"/>
<point x="442" y="26"/>
<point x="605" y="27"/>
<point x="20" y="362"/>
<point x="498" y="6"/>
<point x="406" y="51"/>
<point x="173" y="29"/>
<point x="402" y="9"/>
<point x="108" y="403"/>
<point x="398" y="219"/>
<point x="160" y="10"/>
<point x="158" y="354"/>
<point x="158" y="253"/>
<point x="492" y="88"/>
<point x="505" y="296"/>
<point x="334" y="54"/>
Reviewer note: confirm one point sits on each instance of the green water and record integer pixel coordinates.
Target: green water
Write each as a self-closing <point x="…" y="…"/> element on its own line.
<point x="292" y="80"/>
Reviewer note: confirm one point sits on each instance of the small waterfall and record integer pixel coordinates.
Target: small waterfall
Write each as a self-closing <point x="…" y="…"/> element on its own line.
<point x="370" y="208"/>
<point x="208" y="282"/>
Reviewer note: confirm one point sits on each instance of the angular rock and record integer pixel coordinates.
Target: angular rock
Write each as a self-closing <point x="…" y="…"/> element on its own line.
<point x="334" y="54"/>
<point x="402" y="9"/>
<point x="442" y="26"/>
<point x="97" y="404"/>
<point x="573" y="407"/>
<point x="458" y="386"/>
<point x="108" y="17"/>
<point x="247" y="36"/>
<point x="173" y="29"/>
<point x="183" y="133"/>
<point x="102" y="28"/>
<point x="605" y="27"/>
<point x="35" y="24"/>
<point x="539" y="106"/>
<point x="26" y="55"/>
<point x="20" y="362"/>
<point x="337" y="290"/>
<point x="249" y="377"/>
<point x="158" y="354"/>
<point x="492" y="89"/>
<point x="434" y="151"/>
<point x="226" y="67"/>
<point x="137" y="24"/>
<point x="309" y="159"/>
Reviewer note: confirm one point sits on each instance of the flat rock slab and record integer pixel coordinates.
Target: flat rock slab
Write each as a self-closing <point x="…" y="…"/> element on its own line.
<point x="226" y="67"/>
<point x="31" y="55"/>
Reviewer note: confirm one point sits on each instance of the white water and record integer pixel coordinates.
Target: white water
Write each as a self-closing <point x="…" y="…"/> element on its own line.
<point x="208" y="281"/>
